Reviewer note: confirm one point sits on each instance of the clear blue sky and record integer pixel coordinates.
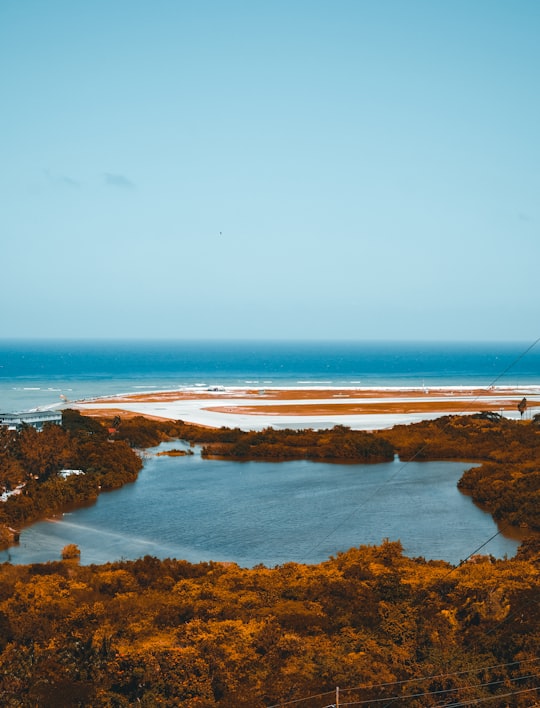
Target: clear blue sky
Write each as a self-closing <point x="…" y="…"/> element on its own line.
<point x="270" y="169"/>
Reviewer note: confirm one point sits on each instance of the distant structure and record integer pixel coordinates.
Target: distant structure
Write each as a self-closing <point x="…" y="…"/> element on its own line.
<point x="37" y="419"/>
<point x="522" y="406"/>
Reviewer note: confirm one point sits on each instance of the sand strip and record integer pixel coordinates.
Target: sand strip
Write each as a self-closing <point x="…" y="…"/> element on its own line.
<point x="316" y="407"/>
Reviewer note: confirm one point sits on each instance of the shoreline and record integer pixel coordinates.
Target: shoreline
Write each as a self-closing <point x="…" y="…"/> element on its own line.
<point x="321" y="406"/>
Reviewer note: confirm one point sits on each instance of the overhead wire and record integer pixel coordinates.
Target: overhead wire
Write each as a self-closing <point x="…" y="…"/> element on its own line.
<point x="477" y="701"/>
<point x="300" y="700"/>
<point x="404" y="464"/>
<point x="485" y="543"/>
<point x="463" y="704"/>
<point x="438" y="692"/>
<point x="452" y="674"/>
<point x="404" y="682"/>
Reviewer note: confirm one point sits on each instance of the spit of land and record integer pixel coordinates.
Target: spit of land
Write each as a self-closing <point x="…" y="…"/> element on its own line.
<point x="316" y="407"/>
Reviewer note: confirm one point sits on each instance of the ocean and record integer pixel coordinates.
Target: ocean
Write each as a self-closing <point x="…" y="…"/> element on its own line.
<point x="43" y="374"/>
<point x="207" y="500"/>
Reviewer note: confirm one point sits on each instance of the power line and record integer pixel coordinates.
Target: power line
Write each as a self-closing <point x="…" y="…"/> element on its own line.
<point x="476" y="701"/>
<point x="461" y="704"/>
<point x="440" y="692"/>
<point x="359" y="507"/>
<point x="300" y="700"/>
<point x="432" y="677"/>
<point x="473" y="553"/>
<point x="403" y="466"/>
<point x="515" y="361"/>
<point x="452" y="674"/>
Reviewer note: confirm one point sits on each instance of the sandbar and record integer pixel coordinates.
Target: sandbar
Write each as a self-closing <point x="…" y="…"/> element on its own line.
<point x="316" y="407"/>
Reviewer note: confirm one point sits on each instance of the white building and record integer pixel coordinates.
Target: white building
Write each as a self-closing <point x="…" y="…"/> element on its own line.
<point x="37" y="419"/>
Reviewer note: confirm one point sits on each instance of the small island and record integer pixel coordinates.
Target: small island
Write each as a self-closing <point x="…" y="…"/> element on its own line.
<point x="174" y="453"/>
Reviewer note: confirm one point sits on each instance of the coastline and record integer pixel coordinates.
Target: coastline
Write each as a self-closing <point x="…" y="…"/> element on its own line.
<point x="292" y="403"/>
<point x="316" y="407"/>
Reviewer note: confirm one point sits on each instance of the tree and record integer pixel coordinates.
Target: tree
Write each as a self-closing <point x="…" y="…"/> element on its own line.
<point x="71" y="552"/>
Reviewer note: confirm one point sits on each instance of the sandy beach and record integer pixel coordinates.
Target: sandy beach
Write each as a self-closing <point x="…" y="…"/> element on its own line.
<point x="315" y="407"/>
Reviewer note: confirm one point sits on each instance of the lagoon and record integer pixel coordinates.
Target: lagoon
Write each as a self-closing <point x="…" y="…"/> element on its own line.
<point x="271" y="513"/>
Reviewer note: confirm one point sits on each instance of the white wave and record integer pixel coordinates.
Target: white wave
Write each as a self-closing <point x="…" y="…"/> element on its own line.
<point x="314" y="382"/>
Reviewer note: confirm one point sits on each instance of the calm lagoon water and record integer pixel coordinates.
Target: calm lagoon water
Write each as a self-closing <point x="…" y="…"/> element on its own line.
<point x="270" y="513"/>
<point x="258" y="512"/>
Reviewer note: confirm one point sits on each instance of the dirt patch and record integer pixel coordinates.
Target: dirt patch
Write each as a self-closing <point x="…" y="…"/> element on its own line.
<point x="395" y="407"/>
<point x="120" y="412"/>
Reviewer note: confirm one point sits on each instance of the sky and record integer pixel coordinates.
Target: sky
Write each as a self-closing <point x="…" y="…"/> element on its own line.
<point x="293" y="169"/>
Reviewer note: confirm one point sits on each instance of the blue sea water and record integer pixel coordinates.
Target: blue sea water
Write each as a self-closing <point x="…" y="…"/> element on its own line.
<point x="203" y="522"/>
<point x="37" y="373"/>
